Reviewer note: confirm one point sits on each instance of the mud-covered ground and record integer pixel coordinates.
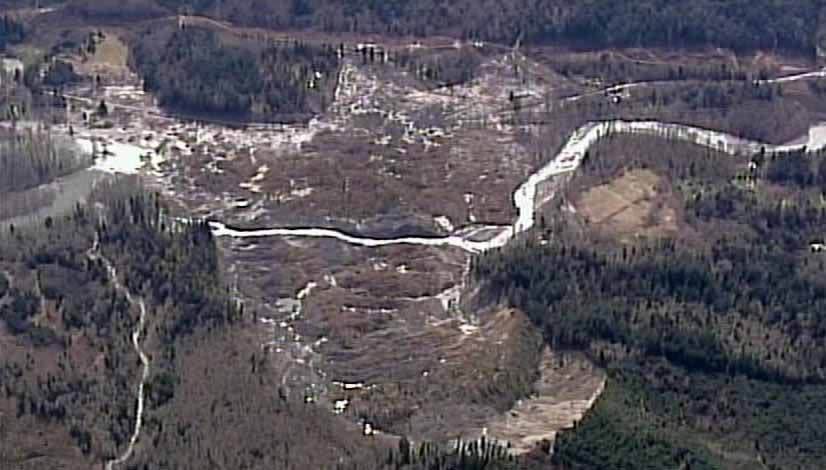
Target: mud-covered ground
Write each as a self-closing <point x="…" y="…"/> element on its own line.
<point x="387" y="335"/>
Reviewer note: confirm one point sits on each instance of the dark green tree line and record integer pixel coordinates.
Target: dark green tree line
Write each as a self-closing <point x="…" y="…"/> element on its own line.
<point x="193" y="72"/>
<point x="740" y="24"/>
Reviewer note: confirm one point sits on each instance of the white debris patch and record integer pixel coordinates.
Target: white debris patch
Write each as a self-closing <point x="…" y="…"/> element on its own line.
<point x="303" y="293"/>
<point x="260" y="174"/>
<point x="116" y="157"/>
<point x="301" y="192"/>
<point x="424" y="98"/>
<point x="340" y="405"/>
<point x="814" y="140"/>
<point x="384" y="140"/>
<point x="349" y="385"/>
<point x="213" y="168"/>
<point x="444" y="223"/>
<point x="123" y="91"/>
<point x="252" y="185"/>
<point x="368" y="429"/>
<point x="468" y="329"/>
<point x="450" y="297"/>
<point x="330" y="280"/>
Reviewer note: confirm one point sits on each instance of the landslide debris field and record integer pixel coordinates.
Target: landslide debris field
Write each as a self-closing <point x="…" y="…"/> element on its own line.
<point x="384" y="335"/>
<point x="397" y="336"/>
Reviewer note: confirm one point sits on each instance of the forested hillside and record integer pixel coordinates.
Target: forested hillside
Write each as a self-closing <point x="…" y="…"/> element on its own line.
<point x="739" y="24"/>
<point x="714" y="339"/>
<point x="194" y="72"/>
<point x="11" y="32"/>
<point x="67" y="370"/>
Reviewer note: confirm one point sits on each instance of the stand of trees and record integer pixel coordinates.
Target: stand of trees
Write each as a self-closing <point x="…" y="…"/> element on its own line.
<point x="613" y="68"/>
<point x="11" y="32"/>
<point x="654" y="414"/>
<point x="4" y="285"/>
<point x="450" y="68"/>
<point x="59" y="74"/>
<point x="116" y="10"/>
<point x="699" y="312"/>
<point x="716" y="339"/>
<point x="475" y="455"/>
<point x="60" y="302"/>
<point x="700" y="307"/>
<point x="621" y="434"/>
<point x="175" y="265"/>
<point x="193" y="72"/>
<point x="740" y="24"/>
<point x="29" y="158"/>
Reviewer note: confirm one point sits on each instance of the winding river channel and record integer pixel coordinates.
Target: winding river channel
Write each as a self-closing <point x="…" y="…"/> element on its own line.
<point x="567" y="160"/>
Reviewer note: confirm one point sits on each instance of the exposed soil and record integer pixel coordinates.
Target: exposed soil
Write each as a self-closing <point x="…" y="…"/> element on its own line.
<point x="381" y="334"/>
<point x="566" y="389"/>
<point x="637" y="203"/>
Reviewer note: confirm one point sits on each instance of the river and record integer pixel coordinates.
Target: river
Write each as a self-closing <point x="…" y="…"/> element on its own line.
<point x="524" y="197"/>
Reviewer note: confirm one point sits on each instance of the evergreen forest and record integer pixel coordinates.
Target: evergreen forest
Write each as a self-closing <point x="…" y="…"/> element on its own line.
<point x="193" y="72"/>
<point x="741" y="25"/>
<point x="714" y="339"/>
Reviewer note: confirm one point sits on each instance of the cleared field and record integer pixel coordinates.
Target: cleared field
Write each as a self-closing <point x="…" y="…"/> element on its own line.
<point x="111" y="51"/>
<point x="108" y="61"/>
<point x="635" y="204"/>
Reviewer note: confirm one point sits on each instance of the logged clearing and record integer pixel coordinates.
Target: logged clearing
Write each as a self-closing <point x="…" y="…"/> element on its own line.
<point x="108" y="61"/>
<point x="635" y="204"/>
<point x="111" y="51"/>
